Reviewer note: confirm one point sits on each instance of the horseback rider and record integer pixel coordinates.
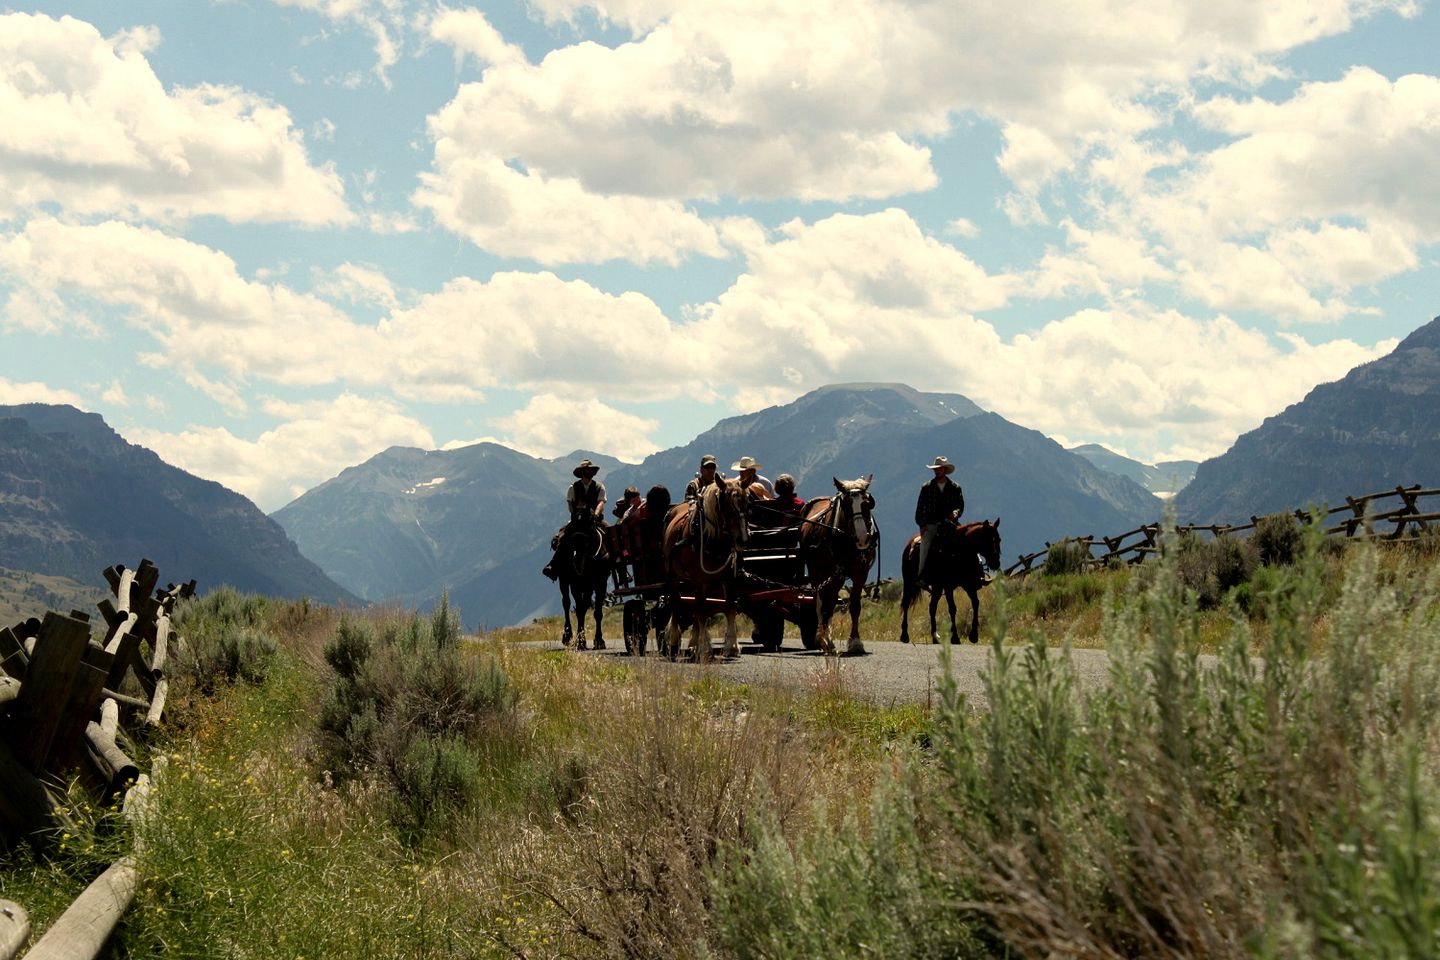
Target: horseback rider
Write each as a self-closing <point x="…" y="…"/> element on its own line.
<point x="586" y="500"/>
<point x="940" y="499"/>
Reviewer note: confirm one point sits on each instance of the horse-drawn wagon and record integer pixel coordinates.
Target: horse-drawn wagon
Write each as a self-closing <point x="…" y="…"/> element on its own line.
<point x="769" y="585"/>
<point x="732" y="561"/>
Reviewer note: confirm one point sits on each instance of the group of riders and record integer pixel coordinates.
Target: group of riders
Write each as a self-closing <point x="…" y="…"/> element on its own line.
<point x="776" y="504"/>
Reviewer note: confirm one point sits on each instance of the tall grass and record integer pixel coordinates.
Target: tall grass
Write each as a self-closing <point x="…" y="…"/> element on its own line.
<point x="1282" y="807"/>
<point x="1278" y="800"/>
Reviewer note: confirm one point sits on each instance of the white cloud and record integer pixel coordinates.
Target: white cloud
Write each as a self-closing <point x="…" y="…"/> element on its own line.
<point x="33" y="391"/>
<point x="383" y="20"/>
<point x="554" y="220"/>
<point x="114" y="394"/>
<point x="551" y="425"/>
<point x="218" y="330"/>
<point x="471" y="34"/>
<point x="1331" y="189"/>
<point x="86" y="124"/>
<point x="316" y="441"/>
<point x="1145" y="375"/>
<point x="192" y="301"/>
<point x="1361" y="147"/>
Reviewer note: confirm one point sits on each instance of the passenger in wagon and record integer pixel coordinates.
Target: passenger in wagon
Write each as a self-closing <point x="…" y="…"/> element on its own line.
<point x="627" y="502"/>
<point x="757" y="486"/>
<point x="786" y="508"/>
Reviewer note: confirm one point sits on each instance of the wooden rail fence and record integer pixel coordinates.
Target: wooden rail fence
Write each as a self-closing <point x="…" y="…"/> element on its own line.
<point x="65" y="687"/>
<point x="1358" y="519"/>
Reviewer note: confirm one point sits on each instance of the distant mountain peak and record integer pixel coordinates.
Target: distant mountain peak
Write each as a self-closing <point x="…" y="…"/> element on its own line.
<point x="93" y="499"/>
<point x="1371" y="430"/>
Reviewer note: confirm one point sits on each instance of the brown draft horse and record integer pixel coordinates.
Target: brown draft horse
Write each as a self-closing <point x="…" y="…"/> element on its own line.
<point x="701" y="557"/>
<point x="583" y="567"/>
<point x="953" y="564"/>
<point x="838" y="539"/>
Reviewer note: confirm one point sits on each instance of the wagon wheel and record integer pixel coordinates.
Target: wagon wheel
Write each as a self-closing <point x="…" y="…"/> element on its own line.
<point x="636" y="626"/>
<point x="769" y="629"/>
<point x="809" y="625"/>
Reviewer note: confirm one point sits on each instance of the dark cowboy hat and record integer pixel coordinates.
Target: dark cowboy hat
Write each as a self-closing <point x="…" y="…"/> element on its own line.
<point x="707" y="461"/>
<point x="586" y="469"/>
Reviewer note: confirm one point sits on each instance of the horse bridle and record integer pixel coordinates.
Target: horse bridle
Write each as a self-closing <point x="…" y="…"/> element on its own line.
<point x="722" y="506"/>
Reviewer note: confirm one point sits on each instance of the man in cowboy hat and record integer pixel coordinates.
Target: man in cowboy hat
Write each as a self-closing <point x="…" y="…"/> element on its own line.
<point x="585" y="498"/>
<point x="750" y="476"/>
<point x="940" y="498"/>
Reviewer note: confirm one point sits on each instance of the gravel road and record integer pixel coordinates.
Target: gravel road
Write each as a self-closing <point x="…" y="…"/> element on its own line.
<point x="890" y="672"/>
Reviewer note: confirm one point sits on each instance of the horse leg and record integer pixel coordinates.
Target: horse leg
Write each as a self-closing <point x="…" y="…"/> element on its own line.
<point x="950" y="601"/>
<point x="600" y="615"/>
<point x="974" y="594"/>
<point x="855" y="648"/>
<point x="934" y="604"/>
<point x="670" y="647"/>
<point x="732" y="640"/>
<point x="907" y="597"/>
<point x="827" y="601"/>
<point x="582" y="607"/>
<point x="565" y="604"/>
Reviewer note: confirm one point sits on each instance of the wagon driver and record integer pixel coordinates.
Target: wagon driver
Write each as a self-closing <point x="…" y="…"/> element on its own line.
<point x="586" y="500"/>
<point x="940" y="497"/>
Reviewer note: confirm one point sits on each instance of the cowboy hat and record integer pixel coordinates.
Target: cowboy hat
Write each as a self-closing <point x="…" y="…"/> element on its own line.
<point x="745" y="463"/>
<point x="707" y="461"/>
<point x="941" y="463"/>
<point x="586" y="468"/>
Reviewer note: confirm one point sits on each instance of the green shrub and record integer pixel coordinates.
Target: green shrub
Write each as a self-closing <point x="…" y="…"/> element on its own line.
<point x="227" y="637"/>
<point x="410" y="705"/>
<point x="1065" y="557"/>
<point x="1213" y="568"/>
<point x="1278" y="538"/>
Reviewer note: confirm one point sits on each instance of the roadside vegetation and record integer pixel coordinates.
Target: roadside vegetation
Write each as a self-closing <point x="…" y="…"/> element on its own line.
<point x="385" y="786"/>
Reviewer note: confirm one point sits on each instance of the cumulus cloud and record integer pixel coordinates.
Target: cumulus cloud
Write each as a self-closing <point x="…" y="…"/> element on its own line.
<point x="313" y="442"/>
<point x="550" y="425"/>
<point x="86" y="124"/>
<point x="828" y="101"/>
<point x="219" y="330"/>
<point x="33" y="391"/>
<point x="471" y="34"/>
<point x="554" y="220"/>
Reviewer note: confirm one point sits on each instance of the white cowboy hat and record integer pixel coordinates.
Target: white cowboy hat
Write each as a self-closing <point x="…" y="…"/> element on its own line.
<point x="941" y="463"/>
<point x="586" y="468"/>
<point x="745" y="463"/>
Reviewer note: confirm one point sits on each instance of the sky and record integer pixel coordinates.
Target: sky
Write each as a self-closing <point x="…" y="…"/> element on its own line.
<point x="271" y="238"/>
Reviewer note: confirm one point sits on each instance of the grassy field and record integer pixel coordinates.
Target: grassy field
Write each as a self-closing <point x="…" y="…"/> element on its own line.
<point x="25" y="595"/>
<point x="384" y="786"/>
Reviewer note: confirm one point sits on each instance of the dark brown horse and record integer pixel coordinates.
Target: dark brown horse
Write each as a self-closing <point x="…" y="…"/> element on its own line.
<point x="701" y="558"/>
<point x="838" y="539"/>
<point x="583" y="566"/>
<point x="953" y="562"/>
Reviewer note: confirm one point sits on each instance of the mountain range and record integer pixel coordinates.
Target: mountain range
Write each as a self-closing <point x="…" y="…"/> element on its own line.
<point x="478" y="520"/>
<point x="76" y="498"/>
<point x="1370" y="431"/>
<point x="1163" y="479"/>
<point x="407" y="524"/>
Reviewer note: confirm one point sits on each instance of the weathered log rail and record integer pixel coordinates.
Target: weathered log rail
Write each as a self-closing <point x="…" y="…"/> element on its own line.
<point x="1357" y="520"/>
<point x="63" y="695"/>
